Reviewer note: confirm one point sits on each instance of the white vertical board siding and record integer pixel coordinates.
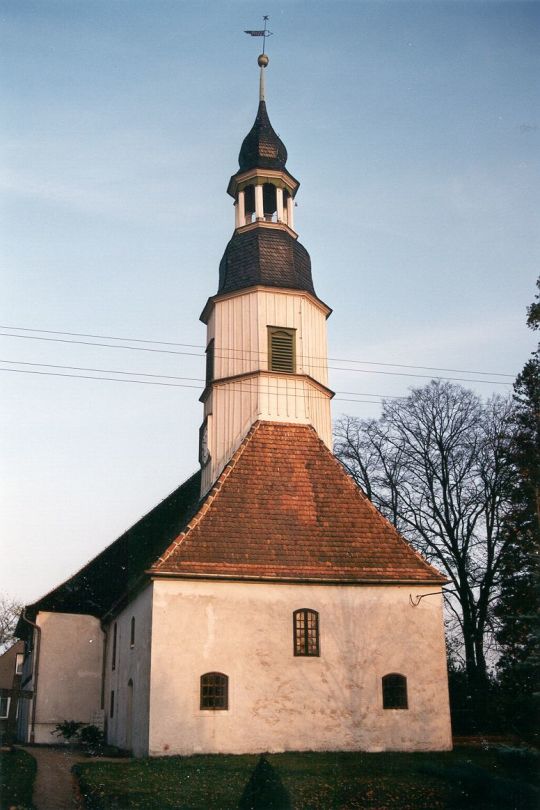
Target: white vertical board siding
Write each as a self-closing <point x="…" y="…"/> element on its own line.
<point x="235" y="334"/>
<point x="282" y="702"/>
<point x="239" y="325"/>
<point x="131" y="663"/>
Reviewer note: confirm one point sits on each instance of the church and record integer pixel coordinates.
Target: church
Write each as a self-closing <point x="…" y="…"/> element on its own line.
<point x="265" y="605"/>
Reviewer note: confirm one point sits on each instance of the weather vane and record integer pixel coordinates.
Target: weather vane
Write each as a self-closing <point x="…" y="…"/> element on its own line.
<point x="264" y="33"/>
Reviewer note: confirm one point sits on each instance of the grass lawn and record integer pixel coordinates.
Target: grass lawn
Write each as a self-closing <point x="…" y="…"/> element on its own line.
<point x="17" y="773"/>
<point x="464" y="778"/>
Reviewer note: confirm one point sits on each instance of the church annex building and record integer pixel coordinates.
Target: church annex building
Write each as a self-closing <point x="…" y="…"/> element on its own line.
<point x="264" y="604"/>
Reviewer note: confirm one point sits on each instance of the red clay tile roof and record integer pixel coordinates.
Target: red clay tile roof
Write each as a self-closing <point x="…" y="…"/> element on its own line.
<point x="284" y="508"/>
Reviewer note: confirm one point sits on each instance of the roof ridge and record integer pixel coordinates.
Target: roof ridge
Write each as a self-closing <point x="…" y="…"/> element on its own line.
<point x="381" y="538"/>
<point x="210" y="498"/>
<point x="379" y="515"/>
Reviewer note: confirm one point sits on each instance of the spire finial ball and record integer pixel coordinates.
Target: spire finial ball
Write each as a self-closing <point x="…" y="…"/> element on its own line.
<point x="263" y="60"/>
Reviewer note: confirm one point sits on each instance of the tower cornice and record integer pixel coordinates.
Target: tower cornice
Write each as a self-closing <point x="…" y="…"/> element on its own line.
<point x="214" y="299"/>
<point x="265" y="374"/>
<point x="279" y="177"/>
<point x="262" y="223"/>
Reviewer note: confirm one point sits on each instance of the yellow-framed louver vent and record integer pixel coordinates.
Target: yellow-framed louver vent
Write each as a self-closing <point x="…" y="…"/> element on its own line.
<point x="281" y="349"/>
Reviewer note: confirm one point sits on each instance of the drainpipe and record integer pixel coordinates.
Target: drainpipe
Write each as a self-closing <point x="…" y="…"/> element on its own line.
<point x="36" y="673"/>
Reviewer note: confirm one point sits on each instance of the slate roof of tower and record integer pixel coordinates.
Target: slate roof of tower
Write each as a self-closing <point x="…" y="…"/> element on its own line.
<point x="265" y="256"/>
<point x="284" y="508"/>
<point x="262" y="148"/>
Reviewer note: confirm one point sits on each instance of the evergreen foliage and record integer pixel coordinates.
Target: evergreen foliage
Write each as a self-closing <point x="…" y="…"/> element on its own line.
<point x="517" y="610"/>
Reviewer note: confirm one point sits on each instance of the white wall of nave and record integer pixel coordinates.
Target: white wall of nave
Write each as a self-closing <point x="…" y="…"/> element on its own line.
<point x="128" y="727"/>
<point x="281" y="702"/>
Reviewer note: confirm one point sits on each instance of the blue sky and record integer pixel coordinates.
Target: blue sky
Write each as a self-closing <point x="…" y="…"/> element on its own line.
<point x="414" y="130"/>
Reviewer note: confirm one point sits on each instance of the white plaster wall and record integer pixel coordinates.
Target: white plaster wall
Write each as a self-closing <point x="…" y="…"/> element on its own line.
<point x="131" y="663"/>
<point x="280" y="702"/>
<point x="70" y="667"/>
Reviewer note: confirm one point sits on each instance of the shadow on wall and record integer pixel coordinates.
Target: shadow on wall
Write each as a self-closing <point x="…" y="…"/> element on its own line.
<point x="264" y="790"/>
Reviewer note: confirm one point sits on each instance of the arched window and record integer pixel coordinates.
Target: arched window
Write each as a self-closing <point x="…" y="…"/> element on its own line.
<point x="249" y="204"/>
<point x="269" y="202"/>
<point x="214" y="691"/>
<point x="306" y="632"/>
<point x="394" y="691"/>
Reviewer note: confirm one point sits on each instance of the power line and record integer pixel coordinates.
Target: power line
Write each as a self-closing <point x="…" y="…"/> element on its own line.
<point x="254" y="351"/>
<point x="199" y="354"/>
<point x="168" y="385"/>
<point x="165" y="376"/>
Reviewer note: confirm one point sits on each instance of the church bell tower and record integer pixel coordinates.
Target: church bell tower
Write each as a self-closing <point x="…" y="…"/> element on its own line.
<point x="266" y="351"/>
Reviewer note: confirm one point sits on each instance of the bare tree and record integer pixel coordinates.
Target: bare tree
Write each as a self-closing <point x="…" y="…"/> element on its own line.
<point x="435" y="465"/>
<point x="10" y="610"/>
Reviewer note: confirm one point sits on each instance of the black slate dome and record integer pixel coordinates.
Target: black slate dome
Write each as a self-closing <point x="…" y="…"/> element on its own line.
<point x="263" y="256"/>
<point x="262" y="149"/>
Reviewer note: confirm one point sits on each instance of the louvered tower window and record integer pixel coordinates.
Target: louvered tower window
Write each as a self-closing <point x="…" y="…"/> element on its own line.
<point x="281" y="349"/>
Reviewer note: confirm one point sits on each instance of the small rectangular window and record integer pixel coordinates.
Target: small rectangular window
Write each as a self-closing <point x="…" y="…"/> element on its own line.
<point x="4" y="707"/>
<point x="114" y="646"/>
<point x="132" y="633"/>
<point x="210" y="362"/>
<point x="111" y="712"/>
<point x="281" y="349"/>
<point x="19" y="664"/>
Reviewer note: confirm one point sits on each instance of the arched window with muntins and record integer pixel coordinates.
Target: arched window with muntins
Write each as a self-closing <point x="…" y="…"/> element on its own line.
<point x="394" y="689"/>
<point x="214" y="691"/>
<point x="306" y="632"/>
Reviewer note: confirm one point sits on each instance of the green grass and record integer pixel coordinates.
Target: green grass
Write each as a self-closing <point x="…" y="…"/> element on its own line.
<point x="17" y="774"/>
<point x="316" y="781"/>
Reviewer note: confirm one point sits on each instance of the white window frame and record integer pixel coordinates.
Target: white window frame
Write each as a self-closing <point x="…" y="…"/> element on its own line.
<point x="6" y="715"/>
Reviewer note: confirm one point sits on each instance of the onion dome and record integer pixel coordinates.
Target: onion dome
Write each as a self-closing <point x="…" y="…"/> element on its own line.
<point x="262" y="149"/>
<point x="272" y="258"/>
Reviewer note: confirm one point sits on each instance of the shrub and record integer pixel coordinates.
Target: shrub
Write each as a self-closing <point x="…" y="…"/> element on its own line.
<point x="69" y="730"/>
